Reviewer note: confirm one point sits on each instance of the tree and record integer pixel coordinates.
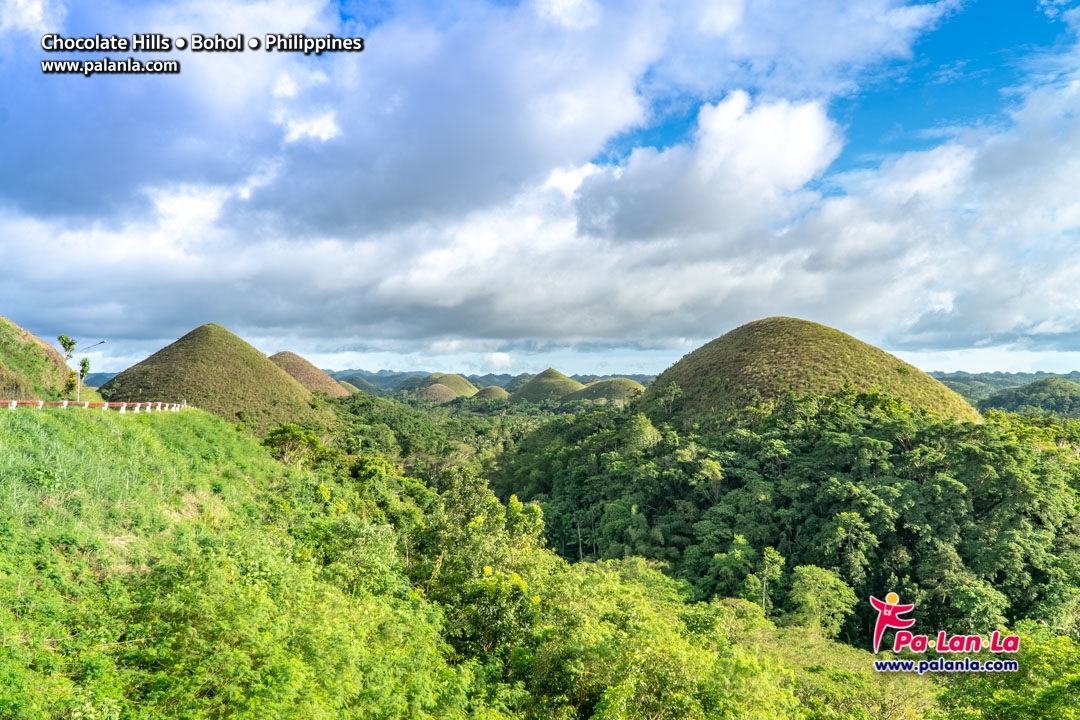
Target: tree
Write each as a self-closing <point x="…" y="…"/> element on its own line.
<point x="291" y="443"/>
<point x="669" y="396"/>
<point x="822" y="600"/>
<point x="69" y="348"/>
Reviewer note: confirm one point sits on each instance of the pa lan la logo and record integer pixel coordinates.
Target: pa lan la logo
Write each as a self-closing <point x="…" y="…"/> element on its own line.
<point x="890" y="611"/>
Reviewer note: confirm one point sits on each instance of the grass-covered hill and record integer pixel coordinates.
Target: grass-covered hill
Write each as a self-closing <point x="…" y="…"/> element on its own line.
<point x="1051" y="393"/>
<point x="30" y="368"/>
<point x="362" y="384"/>
<point x="974" y="387"/>
<point x="307" y="374"/>
<point x="349" y="388"/>
<point x="767" y="359"/>
<point x="615" y="390"/>
<point x="438" y="393"/>
<point x="215" y="370"/>
<point x="548" y="385"/>
<point x="491" y="392"/>
<point x="457" y="384"/>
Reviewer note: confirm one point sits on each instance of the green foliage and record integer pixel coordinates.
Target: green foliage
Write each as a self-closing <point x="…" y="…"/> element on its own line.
<point x="820" y="600"/>
<point x="1045" y="686"/>
<point x="975" y="523"/>
<point x="291" y="443"/>
<point x="1048" y="394"/>
<point x="311" y="377"/>
<point x="974" y="387"/>
<point x="216" y="371"/>
<point x="764" y="361"/>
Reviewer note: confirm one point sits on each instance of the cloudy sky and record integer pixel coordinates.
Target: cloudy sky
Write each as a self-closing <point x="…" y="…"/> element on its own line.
<point x="504" y="186"/>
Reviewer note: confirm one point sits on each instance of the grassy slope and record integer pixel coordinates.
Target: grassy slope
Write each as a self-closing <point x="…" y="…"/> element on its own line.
<point x="459" y="385"/>
<point x="215" y="370"/>
<point x="491" y="392"/>
<point x="307" y="374"/>
<point x="30" y="368"/>
<point x="766" y="359"/>
<point x="548" y="385"/>
<point x="348" y="387"/>
<point x="363" y="384"/>
<point x="438" y="393"/>
<point x="148" y="571"/>
<point x="619" y="390"/>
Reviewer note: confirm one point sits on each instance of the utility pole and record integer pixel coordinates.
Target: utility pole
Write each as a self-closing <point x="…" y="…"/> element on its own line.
<point x="84" y="369"/>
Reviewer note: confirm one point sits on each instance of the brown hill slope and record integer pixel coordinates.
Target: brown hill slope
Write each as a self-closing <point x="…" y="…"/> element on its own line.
<point x="307" y="374"/>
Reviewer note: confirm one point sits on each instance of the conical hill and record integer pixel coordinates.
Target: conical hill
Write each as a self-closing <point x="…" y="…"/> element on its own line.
<point x="767" y="359"/>
<point x="548" y="385"/>
<point x="307" y="374"/>
<point x="613" y="390"/>
<point x="216" y="371"/>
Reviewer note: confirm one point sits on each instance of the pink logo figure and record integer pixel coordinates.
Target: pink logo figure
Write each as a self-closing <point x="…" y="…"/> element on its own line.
<point x="889" y="611"/>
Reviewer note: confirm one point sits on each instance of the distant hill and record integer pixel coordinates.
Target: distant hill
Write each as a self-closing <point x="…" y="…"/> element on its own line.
<point x="974" y="387"/>
<point x="217" y="371"/>
<point x="517" y="382"/>
<point x="99" y="379"/>
<point x="362" y="384"/>
<point x="618" y="390"/>
<point x="307" y="374"/>
<point x="438" y="393"/>
<point x="1051" y="393"/>
<point x="386" y="380"/>
<point x="767" y="359"/>
<point x="491" y="392"/>
<point x="460" y="386"/>
<point x="643" y="380"/>
<point x="548" y="385"/>
<point x="489" y="379"/>
<point x="349" y="387"/>
<point x="30" y="368"/>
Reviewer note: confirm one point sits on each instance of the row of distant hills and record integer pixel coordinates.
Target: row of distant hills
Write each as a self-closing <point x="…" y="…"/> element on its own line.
<point x="216" y="370"/>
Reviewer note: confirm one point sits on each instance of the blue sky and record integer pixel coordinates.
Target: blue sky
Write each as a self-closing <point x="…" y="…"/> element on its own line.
<point x="594" y="186"/>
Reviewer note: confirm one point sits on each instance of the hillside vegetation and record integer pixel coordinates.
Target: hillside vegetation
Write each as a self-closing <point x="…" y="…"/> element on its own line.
<point x="303" y="372"/>
<point x="215" y="370"/>
<point x="30" y="368"/>
<point x="1050" y="394"/>
<point x="165" y="566"/>
<point x="768" y="359"/>
<point x="548" y="385"/>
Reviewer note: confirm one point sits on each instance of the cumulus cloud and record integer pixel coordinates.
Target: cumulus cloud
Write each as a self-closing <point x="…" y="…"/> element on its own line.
<point x="745" y="171"/>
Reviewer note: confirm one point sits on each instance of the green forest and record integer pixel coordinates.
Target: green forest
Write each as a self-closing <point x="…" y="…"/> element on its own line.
<point x="579" y="555"/>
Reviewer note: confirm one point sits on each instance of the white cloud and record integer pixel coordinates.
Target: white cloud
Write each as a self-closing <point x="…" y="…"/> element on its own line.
<point x="31" y="16"/>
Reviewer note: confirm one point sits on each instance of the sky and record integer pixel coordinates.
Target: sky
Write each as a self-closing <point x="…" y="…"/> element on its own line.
<point x="507" y="186"/>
